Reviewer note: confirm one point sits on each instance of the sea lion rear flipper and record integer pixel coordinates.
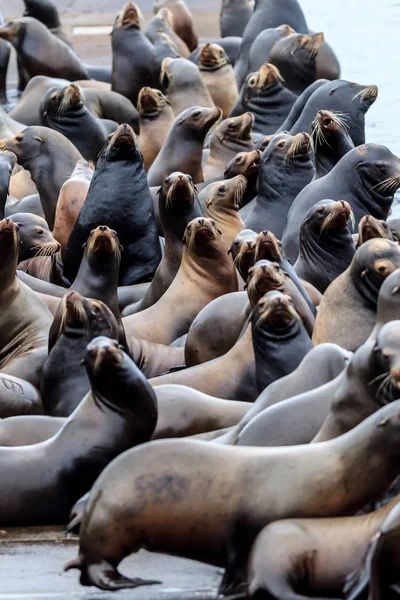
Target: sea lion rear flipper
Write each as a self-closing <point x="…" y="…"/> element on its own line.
<point x="357" y="584"/>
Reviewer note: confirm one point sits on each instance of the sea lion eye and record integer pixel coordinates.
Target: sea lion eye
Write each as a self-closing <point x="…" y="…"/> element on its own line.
<point x="159" y="94"/>
<point x="252" y="81"/>
<point x="19" y="138"/>
<point x="231" y="125"/>
<point x="238" y="159"/>
<point x="91" y="233"/>
<point x="39" y="231"/>
<point x="221" y="188"/>
<point x="281" y="144"/>
<point x="197" y="113"/>
<point x="381" y="166"/>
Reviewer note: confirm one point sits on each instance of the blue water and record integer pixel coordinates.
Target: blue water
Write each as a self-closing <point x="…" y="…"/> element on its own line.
<point x="365" y="35"/>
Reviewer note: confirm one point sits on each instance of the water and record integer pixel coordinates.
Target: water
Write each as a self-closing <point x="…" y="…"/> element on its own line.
<point x="365" y="37"/>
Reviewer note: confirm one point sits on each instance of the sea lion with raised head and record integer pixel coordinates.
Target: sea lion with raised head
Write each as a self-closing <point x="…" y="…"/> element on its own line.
<point x="8" y="160"/>
<point x="156" y="118"/>
<point x="263" y="43"/>
<point x="243" y="250"/>
<point x="366" y="177"/>
<point x="183" y="147"/>
<point x="246" y="164"/>
<point x="183" y="84"/>
<point x="330" y="140"/>
<point x="162" y="22"/>
<point x="370" y="228"/>
<point x="34" y="236"/>
<point x="182" y="20"/>
<point x="119" y="197"/>
<point x="222" y="202"/>
<point x="206" y="272"/>
<point x="218" y="75"/>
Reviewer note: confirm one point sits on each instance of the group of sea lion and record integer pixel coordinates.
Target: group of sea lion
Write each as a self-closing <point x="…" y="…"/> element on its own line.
<point x="196" y="241"/>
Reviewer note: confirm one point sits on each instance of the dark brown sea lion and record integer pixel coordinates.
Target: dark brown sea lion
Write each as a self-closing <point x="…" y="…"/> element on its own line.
<point x="251" y="477"/>
<point x="182" y="20"/>
<point x="183" y="84"/>
<point x="119" y="197"/>
<point x="70" y="200"/>
<point x="97" y="277"/>
<point x="163" y="22"/>
<point x="64" y="111"/>
<point x="55" y="57"/>
<point x="299" y="558"/>
<point x="330" y="140"/>
<point x="24" y="319"/>
<point x="47" y="13"/>
<point x="178" y="206"/>
<point x="326" y="246"/>
<point x="370" y="228"/>
<point x="127" y="40"/>
<point x="206" y="272"/>
<point x="49" y="157"/>
<point x="218" y="75"/>
<point x="266" y="97"/>
<point x="183" y="147"/>
<point x="295" y="56"/>
<point x="366" y="177"/>
<point x="64" y="380"/>
<point x="347" y="313"/>
<point x="156" y="118"/>
<point x="222" y="202"/>
<point x="34" y="236"/>
<point x="230" y="137"/>
<point x="120" y="411"/>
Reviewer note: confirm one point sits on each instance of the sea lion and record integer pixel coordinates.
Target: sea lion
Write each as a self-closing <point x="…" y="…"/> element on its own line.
<point x="127" y="40"/>
<point x="64" y="380"/>
<point x="184" y="85"/>
<point x="263" y="43"/>
<point x="8" y="160"/>
<point x="265" y="96"/>
<point x="370" y="228"/>
<point x="352" y="298"/>
<point x="326" y="247"/>
<point x="47" y="266"/>
<point x="55" y="57"/>
<point x="18" y="397"/>
<point x="366" y="177"/>
<point x="379" y="569"/>
<point x="295" y="56"/>
<point x="286" y="167"/>
<point x="223" y="199"/>
<point x="206" y="272"/>
<point x="162" y="22"/>
<point x="251" y="476"/>
<point x="246" y="164"/>
<point x="63" y="110"/>
<point x="218" y="75"/>
<point x="119" y="197"/>
<point x="234" y="16"/>
<point x="322" y="365"/>
<point x="27" y="109"/>
<point x="5" y="53"/>
<point x="282" y="342"/>
<point x="230" y="44"/>
<point x="183" y="147"/>
<point x="34" y="236"/>
<point x="178" y="206"/>
<point x="230" y="137"/>
<point x="243" y="250"/>
<point x="70" y="200"/>
<point x="267" y="14"/>
<point x="340" y="96"/>
<point x="388" y="303"/>
<point x="310" y="556"/>
<point x="156" y="118"/>
<point x="330" y="141"/>
<point x="182" y="20"/>
<point x="120" y="411"/>
<point x="47" y="13"/>
<point x="97" y="277"/>
<point x="49" y="157"/>
<point x="24" y="319"/>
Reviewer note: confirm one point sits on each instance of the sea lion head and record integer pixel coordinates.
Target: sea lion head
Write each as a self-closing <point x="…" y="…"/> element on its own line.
<point x="164" y="19"/>
<point x="151" y="102"/>
<point x="299" y="49"/>
<point x="35" y="236"/>
<point x="261" y="82"/>
<point x="27" y="145"/>
<point x="117" y="383"/>
<point x="264" y="277"/>
<point x="12" y="30"/>
<point x="121" y="145"/>
<point x="373" y="262"/>
<point x="203" y="238"/>
<point x="389" y="300"/>
<point x="264" y="142"/>
<point x="328" y="216"/>
<point x="365" y="95"/>
<point x="327" y="125"/>
<point x="268" y="247"/>
<point x="212" y="57"/>
<point x="9" y="244"/>
<point x="274" y="311"/>
<point x="387" y="355"/>
<point x="9" y="158"/>
<point x="179" y="192"/>
<point x="198" y="119"/>
<point x="102" y="242"/>
<point x="377" y="167"/>
<point x="130" y="16"/>
<point x="242" y="250"/>
<point x="58" y="101"/>
<point x="288" y="151"/>
<point x="369" y="228"/>
<point x="227" y="194"/>
<point x="91" y="316"/>
<point x="244" y="163"/>
<point x="45" y="12"/>
<point x="234" y="128"/>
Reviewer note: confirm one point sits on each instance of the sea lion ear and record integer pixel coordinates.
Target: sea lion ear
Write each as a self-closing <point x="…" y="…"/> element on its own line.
<point x="183" y="240"/>
<point x="167" y="101"/>
<point x="83" y="246"/>
<point x="158" y="191"/>
<point x="230" y="250"/>
<point x="395" y="290"/>
<point x="219" y="231"/>
<point x="39" y="139"/>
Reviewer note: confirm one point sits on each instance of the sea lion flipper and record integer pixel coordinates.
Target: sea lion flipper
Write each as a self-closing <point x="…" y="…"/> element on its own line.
<point x="357" y="583"/>
<point x="105" y="576"/>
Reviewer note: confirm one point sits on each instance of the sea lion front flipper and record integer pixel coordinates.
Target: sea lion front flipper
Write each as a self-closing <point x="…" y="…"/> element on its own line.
<point x="105" y="576"/>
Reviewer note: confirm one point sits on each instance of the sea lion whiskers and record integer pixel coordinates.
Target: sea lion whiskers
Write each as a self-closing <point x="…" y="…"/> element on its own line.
<point x="368" y="93"/>
<point x="388" y="185"/>
<point x="333" y="214"/>
<point x="78" y="312"/>
<point x="46" y="249"/>
<point x="205" y="119"/>
<point x="239" y="190"/>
